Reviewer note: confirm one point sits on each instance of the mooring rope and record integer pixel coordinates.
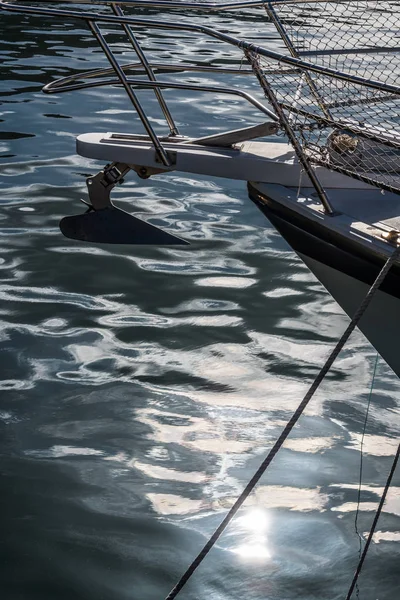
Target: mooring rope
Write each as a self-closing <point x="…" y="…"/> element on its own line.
<point x="360" y="475"/>
<point x="287" y="429"/>
<point x="374" y="523"/>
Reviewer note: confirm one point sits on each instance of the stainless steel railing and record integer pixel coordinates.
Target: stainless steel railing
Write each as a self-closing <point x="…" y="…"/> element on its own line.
<point x="292" y="62"/>
<point x="91" y="79"/>
<point x="281" y="59"/>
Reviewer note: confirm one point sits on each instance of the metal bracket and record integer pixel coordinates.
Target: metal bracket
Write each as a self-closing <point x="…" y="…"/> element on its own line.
<point x="227" y="139"/>
<point x="146" y="172"/>
<point x="100" y="185"/>
<point x="392" y="237"/>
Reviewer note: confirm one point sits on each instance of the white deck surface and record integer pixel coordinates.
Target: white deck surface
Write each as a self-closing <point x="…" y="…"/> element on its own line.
<point x="268" y="162"/>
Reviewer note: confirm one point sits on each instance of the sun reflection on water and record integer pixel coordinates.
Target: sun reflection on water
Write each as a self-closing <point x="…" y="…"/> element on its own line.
<point x="254" y="525"/>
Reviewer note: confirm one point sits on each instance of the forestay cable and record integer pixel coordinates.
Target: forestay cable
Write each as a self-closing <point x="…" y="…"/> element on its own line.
<point x="288" y="428"/>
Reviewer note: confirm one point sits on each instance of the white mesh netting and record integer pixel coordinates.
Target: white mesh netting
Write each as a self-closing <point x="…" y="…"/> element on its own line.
<point x="346" y="126"/>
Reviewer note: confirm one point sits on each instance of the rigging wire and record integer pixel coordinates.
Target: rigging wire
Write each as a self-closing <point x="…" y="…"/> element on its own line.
<point x="287" y="429"/>
<point x="360" y="538"/>
<point x="374" y="523"/>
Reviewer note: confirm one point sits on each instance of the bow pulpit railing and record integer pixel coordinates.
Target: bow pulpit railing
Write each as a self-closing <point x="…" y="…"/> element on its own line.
<point x="332" y="88"/>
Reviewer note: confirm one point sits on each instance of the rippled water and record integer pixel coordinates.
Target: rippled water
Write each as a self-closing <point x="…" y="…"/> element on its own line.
<point x="141" y="387"/>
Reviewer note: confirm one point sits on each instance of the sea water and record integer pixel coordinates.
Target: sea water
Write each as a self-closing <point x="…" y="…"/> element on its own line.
<point x="141" y="387"/>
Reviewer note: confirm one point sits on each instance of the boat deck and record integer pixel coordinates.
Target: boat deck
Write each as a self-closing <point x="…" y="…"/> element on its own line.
<point x="369" y="206"/>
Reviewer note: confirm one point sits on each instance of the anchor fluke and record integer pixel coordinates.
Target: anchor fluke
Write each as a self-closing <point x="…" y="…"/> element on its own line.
<point x="112" y="225"/>
<point x="104" y="223"/>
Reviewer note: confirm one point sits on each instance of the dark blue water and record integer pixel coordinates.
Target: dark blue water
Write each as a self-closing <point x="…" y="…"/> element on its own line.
<point x="141" y="387"/>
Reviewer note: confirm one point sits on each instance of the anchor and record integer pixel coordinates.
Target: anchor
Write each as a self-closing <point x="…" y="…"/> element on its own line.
<point x="104" y="223"/>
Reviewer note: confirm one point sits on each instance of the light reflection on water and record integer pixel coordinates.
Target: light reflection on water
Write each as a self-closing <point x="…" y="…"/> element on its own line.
<point x="141" y="387"/>
<point x="254" y="525"/>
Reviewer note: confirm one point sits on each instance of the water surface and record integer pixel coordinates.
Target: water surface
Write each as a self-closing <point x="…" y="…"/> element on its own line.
<point x="141" y="387"/>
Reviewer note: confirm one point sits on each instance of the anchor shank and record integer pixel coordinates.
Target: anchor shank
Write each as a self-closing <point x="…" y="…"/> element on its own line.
<point x="100" y="185"/>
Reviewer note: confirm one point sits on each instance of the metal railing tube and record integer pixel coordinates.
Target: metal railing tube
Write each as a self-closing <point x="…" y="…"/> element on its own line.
<point x="224" y="37"/>
<point x="51" y="88"/>
<point x="122" y="78"/>
<point x="303" y="159"/>
<point x="210" y="6"/>
<point x="142" y="57"/>
<point x="139" y="83"/>
<point x="272" y="15"/>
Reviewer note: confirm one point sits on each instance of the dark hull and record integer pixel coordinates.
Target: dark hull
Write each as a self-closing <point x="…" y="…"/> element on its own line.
<point x="346" y="271"/>
<point x="327" y="247"/>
